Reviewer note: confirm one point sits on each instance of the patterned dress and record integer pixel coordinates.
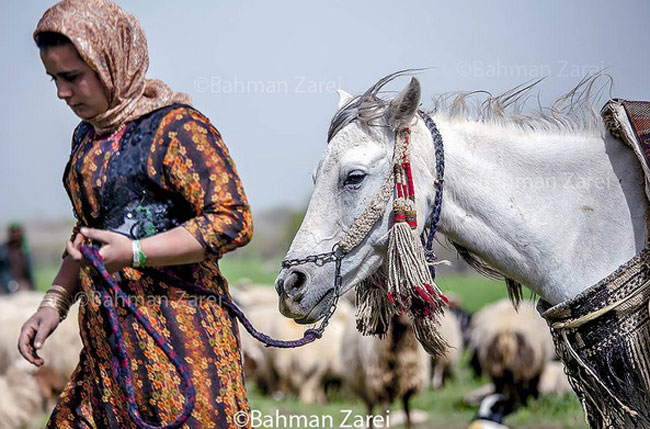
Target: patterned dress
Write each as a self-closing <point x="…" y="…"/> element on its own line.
<point x="164" y="169"/>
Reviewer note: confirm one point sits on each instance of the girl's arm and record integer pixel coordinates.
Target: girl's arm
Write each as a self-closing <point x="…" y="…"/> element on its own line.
<point x="174" y="247"/>
<point x="38" y="327"/>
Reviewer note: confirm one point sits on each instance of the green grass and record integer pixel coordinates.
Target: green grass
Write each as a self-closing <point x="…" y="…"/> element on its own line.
<point x="255" y="270"/>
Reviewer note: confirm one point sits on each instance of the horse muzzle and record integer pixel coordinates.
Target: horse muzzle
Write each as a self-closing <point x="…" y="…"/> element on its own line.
<point x="295" y="301"/>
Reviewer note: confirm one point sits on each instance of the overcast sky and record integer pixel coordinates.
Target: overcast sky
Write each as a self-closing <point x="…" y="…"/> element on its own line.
<point x="265" y="73"/>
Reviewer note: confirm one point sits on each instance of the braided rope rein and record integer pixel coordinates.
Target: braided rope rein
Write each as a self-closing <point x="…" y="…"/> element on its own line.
<point x="121" y="366"/>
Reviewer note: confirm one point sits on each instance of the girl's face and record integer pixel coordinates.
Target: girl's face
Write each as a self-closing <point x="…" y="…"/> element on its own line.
<point x="76" y="83"/>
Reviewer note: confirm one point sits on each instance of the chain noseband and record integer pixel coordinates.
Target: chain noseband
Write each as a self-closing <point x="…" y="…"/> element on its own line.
<point x="320" y="259"/>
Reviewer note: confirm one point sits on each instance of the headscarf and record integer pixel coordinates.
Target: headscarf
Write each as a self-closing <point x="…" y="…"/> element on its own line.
<point x="114" y="45"/>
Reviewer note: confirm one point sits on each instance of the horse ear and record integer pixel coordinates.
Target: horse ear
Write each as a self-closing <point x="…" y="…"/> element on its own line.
<point x="403" y="107"/>
<point x="344" y="98"/>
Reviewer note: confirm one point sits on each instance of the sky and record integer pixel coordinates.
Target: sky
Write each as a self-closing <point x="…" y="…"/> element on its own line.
<point x="266" y="74"/>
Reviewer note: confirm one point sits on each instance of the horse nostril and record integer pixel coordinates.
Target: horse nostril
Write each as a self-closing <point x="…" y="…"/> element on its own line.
<point x="294" y="283"/>
<point x="279" y="285"/>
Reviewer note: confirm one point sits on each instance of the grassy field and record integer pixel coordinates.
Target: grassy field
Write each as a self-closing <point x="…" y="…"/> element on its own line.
<point x="445" y="408"/>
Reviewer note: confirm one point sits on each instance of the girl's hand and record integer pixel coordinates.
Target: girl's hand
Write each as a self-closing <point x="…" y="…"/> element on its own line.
<point x="34" y="333"/>
<point x="115" y="248"/>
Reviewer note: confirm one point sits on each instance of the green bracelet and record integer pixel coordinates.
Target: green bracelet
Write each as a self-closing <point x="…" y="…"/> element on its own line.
<point x="139" y="258"/>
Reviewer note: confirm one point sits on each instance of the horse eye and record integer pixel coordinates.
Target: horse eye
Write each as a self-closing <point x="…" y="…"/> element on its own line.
<point x="354" y="178"/>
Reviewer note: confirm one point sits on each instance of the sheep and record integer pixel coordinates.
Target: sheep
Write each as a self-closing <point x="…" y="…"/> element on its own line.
<point x="513" y="346"/>
<point x="60" y="351"/>
<point x="554" y="379"/>
<point x="450" y="331"/>
<point x="302" y="372"/>
<point x="305" y="372"/>
<point x="380" y="370"/>
<point x="247" y="294"/>
<point x="21" y="403"/>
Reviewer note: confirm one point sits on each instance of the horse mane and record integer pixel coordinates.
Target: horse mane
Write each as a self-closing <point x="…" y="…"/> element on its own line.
<point x="575" y="111"/>
<point x="572" y="112"/>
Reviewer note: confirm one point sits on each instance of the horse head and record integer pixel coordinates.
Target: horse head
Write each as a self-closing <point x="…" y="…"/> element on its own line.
<point x="355" y="165"/>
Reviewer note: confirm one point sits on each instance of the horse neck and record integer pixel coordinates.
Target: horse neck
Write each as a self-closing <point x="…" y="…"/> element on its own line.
<point x="555" y="211"/>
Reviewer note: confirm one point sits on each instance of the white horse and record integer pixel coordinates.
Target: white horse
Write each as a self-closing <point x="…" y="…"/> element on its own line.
<point x="553" y="202"/>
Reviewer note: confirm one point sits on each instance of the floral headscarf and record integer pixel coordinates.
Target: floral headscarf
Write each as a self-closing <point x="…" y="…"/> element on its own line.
<point x="113" y="44"/>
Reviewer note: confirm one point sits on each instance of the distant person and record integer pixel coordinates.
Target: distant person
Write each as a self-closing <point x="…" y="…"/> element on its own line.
<point x="151" y="182"/>
<point x="15" y="262"/>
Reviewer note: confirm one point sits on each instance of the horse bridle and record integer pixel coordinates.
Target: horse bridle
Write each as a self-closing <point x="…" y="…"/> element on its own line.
<point x="353" y="238"/>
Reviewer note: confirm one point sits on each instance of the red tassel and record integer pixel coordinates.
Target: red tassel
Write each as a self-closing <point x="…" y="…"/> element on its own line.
<point x="423" y="294"/>
<point x="444" y="298"/>
<point x="432" y="291"/>
<point x="409" y="178"/>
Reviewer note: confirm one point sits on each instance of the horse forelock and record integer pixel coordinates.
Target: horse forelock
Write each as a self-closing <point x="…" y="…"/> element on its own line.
<point x="368" y="108"/>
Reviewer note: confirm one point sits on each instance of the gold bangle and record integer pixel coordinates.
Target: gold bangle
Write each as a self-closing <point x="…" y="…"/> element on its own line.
<point x="59" y="288"/>
<point x="63" y="291"/>
<point x="59" y="305"/>
<point x="65" y="300"/>
<point x="58" y="298"/>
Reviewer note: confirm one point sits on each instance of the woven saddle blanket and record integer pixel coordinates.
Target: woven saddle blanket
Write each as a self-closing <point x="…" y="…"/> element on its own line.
<point x="603" y="334"/>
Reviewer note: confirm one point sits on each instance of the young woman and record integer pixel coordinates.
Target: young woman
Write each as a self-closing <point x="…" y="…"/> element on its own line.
<point x="151" y="182"/>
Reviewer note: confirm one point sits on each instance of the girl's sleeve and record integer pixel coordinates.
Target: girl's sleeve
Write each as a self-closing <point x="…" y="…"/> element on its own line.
<point x="191" y="158"/>
<point x="77" y="136"/>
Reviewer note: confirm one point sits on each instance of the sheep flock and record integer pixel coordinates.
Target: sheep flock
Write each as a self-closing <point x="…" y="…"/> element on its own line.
<point x="511" y="348"/>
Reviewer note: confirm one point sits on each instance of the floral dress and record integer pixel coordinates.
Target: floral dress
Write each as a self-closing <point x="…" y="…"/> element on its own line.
<point x="162" y="170"/>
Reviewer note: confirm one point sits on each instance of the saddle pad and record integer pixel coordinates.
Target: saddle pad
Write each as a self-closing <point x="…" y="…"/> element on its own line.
<point x="629" y="121"/>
